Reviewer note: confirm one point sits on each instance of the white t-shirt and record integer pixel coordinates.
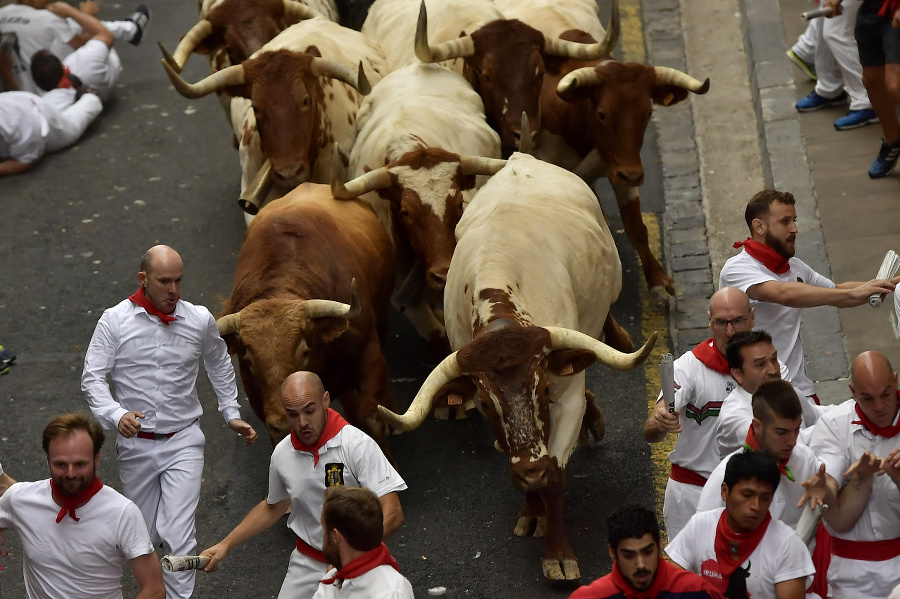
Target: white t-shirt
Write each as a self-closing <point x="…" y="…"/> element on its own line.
<point x="75" y="560"/>
<point x="383" y="582"/>
<point x="781" y="322"/>
<point x="780" y="555"/>
<point x="97" y="65"/>
<point x="36" y="30"/>
<point x="802" y="464"/>
<point x="23" y="128"/>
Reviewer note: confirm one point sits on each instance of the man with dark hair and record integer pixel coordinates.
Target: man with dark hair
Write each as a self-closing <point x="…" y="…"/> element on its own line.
<point x="76" y="533"/>
<point x="639" y="571"/>
<point x="780" y="284"/>
<point x="740" y="549"/>
<point x="362" y="566"/>
<point x="777" y="416"/>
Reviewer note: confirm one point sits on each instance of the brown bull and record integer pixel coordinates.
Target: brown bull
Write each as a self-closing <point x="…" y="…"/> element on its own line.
<point x="291" y="306"/>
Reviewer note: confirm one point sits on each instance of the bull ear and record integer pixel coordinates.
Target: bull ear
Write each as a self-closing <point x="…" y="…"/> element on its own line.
<point x="566" y="362"/>
<point x="455" y="393"/>
<point x="330" y="328"/>
<point x="313" y="51"/>
<point x="666" y="95"/>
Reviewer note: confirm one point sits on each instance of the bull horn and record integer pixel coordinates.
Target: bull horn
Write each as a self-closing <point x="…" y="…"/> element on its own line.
<point x="479" y="165"/>
<point x="377" y="179"/>
<point x="299" y="11"/>
<point x="323" y="67"/>
<point x="561" y="338"/>
<point x="526" y="144"/>
<point x="583" y="77"/>
<point x="233" y="75"/>
<point x="255" y="194"/>
<point x="560" y="47"/>
<point x="229" y="324"/>
<point x="670" y="76"/>
<point x="188" y="44"/>
<point x="319" y="308"/>
<point x="415" y="415"/>
<point x="458" y="48"/>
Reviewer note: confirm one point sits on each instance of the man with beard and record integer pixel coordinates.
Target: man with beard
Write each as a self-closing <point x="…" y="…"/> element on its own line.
<point x="780" y="284"/>
<point x="639" y="571"/>
<point x="362" y="566"/>
<point x="76" y="533"/>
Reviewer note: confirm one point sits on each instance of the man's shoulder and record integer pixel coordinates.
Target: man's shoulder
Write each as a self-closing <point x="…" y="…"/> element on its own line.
<point x="683" y="584"/>
<point x="602" y="588"/>
<point x="385" y="581"/>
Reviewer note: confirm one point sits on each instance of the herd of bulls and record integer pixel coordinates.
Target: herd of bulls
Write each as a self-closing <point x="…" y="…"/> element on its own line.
<point x="372" y="175"/>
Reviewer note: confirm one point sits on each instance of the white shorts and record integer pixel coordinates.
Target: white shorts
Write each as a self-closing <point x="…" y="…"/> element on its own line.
<point x="680" y="506"/>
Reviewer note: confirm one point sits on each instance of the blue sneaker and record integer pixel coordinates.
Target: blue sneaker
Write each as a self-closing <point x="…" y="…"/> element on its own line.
<point x="885" y="161"/>
<point x="6" y="356"/>
<point x="814" y="102"/>
<point x="808" y="69"/>
<point x="856" y="118"/>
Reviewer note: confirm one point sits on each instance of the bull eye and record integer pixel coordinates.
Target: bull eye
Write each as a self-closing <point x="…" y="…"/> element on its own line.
<point x="404" y="213"/>
<point x="601" y="115"/>
<point x="306" y="102"/>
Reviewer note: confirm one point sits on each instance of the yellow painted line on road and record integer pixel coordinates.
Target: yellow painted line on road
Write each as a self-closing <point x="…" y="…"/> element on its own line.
<point x="632" y="36"/>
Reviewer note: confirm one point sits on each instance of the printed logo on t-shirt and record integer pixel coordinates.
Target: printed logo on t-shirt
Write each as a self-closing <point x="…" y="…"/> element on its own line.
<point x="710" y="410"/>
<point x="729" y="387"/>
<point x="334" y="474"/>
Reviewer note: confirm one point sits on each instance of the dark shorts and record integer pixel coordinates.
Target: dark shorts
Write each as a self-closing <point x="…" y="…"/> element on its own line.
<point x="878" y="42"/>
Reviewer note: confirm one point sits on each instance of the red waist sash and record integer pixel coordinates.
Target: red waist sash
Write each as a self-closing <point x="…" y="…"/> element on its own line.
<point x="872" y="551"/>
<point x="310" y="551"/>
<point x="688" y="477"/>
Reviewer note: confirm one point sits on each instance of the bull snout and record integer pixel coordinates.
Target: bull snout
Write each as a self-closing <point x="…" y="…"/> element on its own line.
<point x="630" y="176"/>
<point x="290" y="176"/>
<point x="533" y="135"/>
<point x="533" y="475"/>
<point x="436" y="277"/>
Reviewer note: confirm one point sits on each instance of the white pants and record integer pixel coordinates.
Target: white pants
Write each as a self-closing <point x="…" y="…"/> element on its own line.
<point x="837" y="58"/>
<point x="67" y="120"/>
<point x="805" y="48"/>
<point x="123" y="31"/>
<point x="302" y="578"/>
<point x="680" y="506"/>
<point x="852" y="579"/>
<point x="163" y="479"/>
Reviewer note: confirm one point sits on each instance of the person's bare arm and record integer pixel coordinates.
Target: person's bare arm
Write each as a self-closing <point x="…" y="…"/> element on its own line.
<point x="853" y="496"/>
<point x="791" y="589"/>
<point x="11" y="166"/>
<point x="149" y="577"/>
<point x="804" y="295"/>
<point x="660" y="423"/>
<point x="393" y="513"/>
<point x="6" y="481"/>
<point x="261" y="517"/>
<point x="92" y="28"/>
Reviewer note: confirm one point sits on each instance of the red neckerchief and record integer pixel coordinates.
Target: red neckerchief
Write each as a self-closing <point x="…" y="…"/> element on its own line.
<point x="882" y="431"/>
<point x="712" y="358"/>
<point x="889" y="8"/>
<point x="140" y="298"/>
<point x="380" y="556"/>
<point x="70" y="502"/>
<point x="765" y="254"/>
<point x="750" y="444"/>
<point x="733" y="548"/>
<point x="68" y="80"/>
<point x="333" y="424"/>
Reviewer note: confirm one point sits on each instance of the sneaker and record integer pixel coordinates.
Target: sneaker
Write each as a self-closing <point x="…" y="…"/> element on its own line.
<point x="856" y="118"/>
<point x="141" y="18"/>
<point x="808" y="69"/>
<point x="4" y="369"/>
<point x="814" y="102"/>
<point x="6" y="356"/>
<point x="885" y="161"/>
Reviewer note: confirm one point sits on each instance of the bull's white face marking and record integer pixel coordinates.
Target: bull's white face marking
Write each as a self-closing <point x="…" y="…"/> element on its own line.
<point x="433" y="185"/>
<point x="505" y="106"/>
<point x="537" y="71"/>
<point x="515" y="425"/>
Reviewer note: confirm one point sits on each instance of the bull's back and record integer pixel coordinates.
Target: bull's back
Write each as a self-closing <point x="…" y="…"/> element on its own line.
<point x="552" y="17"/>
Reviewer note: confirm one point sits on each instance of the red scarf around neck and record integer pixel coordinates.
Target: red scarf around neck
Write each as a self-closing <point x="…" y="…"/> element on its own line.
<point x="140" y="298"/>
<point x="68" y="80"/>
<point x="712" y="358"/>
<point x="882" y="431"/>
<point x="333" y="424"/>
<point x="70" y="502"/>
<point x="380" y="556"/>
<point x="750" y="444"/>
<point x="765" y="254"/>
<point x="733" y="548"/>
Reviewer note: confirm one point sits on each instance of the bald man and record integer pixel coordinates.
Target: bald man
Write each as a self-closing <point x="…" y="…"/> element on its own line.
<point x="150" y="345"/>
<point x="322" y="451"/>
<point x="859" y="444"/>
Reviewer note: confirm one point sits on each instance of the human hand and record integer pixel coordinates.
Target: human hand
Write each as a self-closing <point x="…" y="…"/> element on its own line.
<point x="216" y="553"/>
<point x="879" y="286"/>
<point x="834" y="5"/>
<point x="61" y="9"/>
<point x="244" y="429"/>
<point x="129" y="425"/>
<point x="867" y="465"/>
<point x="89" y="7"/>
<point x="816" y="489"/>
<point x="891" y="466"/>
<point x="666" y="421"/>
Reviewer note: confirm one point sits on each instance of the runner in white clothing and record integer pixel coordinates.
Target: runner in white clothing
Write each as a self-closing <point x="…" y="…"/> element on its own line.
<point x="76" y="533"/>
<point x="322" y="451"/>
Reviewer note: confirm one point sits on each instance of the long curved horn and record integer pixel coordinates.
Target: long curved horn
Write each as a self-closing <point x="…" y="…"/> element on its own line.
<point x="560" y="47"/>
<point x="233" y="75"/>
<point x="418" y="410"/>
<point x="323" y="67"/>
<point x="252" y="198"/>
<point x="562" y="338"/>
<point x="583" y="77"/>
<point x="479" y="165"/>
<point x="670" y="76"/>
<point x="188" y="44"/>
<point x="299" y="11"/>
<point x="377" y="179"/>
<point x="229" y="324"/>
<point x="319" y="308"/>
<point x="526" y="144"/>
<point x="458" y="48"/>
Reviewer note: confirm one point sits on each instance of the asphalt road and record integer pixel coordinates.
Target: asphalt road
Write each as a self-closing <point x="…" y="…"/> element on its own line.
<point x="157" y="168"/>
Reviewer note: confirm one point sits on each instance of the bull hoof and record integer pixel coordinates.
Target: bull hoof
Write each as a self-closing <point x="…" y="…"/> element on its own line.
<point x="525" y="526"/>
<point x="498" y="448"/>
<point x="540" y="528"/>
<point x="469" y="406"/>
<point x="663" y="291"/>
<point x="442" y="413"/>
<point x="459" y="412"/>
<point x="598" y="429"/>
<point x="555" y="569"/>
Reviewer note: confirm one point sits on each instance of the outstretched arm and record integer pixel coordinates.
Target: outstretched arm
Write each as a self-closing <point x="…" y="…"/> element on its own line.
<point x="804" y="295"/>
<point x="91" y="26"/>
<point x="261" y="517"/>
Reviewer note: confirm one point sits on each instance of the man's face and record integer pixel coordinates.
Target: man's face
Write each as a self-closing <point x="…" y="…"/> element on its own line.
<point x="307" y="411"/>
<point x="162" y="283"/>
<point x="747" y="504"/>
<point x="781" y="229"/>
<point x="760" y="366"/>
<point x="329" y="547"/>
<point x="72" y="462"/>
<point x="779" y="437"/>
<point x="726" y="321"/>
<point x="638" y="560"/>
<point x="877" y="398"/>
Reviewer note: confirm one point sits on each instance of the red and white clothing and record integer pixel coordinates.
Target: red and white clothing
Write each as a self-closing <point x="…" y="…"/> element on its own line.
<point x="781" y="322"/>
<point x="839" y="439"/>
<point x="81" y="559"/>
<point x="374" y="575"/>
<point x="36" y="30"/>
<point x="670" y="583"/>
<point x="349" y="458"/>
<point x="97" y="66"/>
<point x="779" y="556"/>
<point x="153" y="367"/>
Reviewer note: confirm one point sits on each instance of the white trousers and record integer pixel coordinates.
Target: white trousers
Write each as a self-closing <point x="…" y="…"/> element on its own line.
<point x="852" y="579"/>
<point x="302" y="578"/>
<point x="123" y="31"/>
<point x="67" y="120"/>
<point x="837" y="58"/>
<point x="679" y="506"/>
<point x="805" y="48"/>
<point x="163" y="479"/>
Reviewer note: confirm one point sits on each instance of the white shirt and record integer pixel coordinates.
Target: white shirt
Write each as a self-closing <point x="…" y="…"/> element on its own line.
<point x="781" y="322"/>
<point x="154" y="367"/>
<point x="97" y="65"/>
<point x="350" y="458"/>
<point x="802" y="464"/>
<point x="383" y="582"/>
<point x="780" y="555"/>
<point x="23" y="128"/>
<point x="75" y="560"/>
<point x="36" y="30"/>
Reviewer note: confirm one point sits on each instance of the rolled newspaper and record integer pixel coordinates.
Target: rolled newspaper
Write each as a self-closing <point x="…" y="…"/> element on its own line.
<point x="179" y="563"/>
<point x="888" y="270"/>
<point x="816" y="13"/>
<point x="809" y="522"/>
<point x="667" y="380"/>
